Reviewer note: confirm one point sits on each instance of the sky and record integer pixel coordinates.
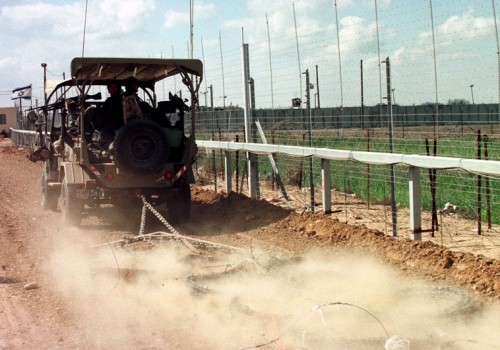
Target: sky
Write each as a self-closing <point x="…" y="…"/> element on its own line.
<point x="436" y="49"/>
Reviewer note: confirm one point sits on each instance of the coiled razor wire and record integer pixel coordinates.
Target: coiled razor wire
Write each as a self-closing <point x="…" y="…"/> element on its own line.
<point x="457" y="300"/>
<point x="198" y="282"/>
<point x="318" y="309"/>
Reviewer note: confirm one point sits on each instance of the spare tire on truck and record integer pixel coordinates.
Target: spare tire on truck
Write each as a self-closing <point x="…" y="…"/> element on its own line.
<point x="140" y="145"/>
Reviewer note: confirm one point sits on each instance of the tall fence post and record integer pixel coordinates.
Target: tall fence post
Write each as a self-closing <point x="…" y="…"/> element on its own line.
<point x="214" y="158"/>
<point x="228" y="171"/>
<point x="252" y="183"/>
<point x="309" y="133"/>
<point x="391" y="145"/>
<point x="326" y="186"/>
<point x="254" y="157"/>
<point x="479" y="181"/>
<point x="487" y="185"/>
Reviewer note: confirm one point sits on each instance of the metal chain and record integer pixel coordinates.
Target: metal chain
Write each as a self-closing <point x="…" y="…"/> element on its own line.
<point x="160" y="217"/>
<point x="143" y="218"/>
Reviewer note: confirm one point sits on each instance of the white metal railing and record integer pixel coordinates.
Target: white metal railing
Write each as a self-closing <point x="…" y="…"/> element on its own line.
<point x="483" y="167"/>
<point x="476" y="166"/>
<point x="413" y="162"/>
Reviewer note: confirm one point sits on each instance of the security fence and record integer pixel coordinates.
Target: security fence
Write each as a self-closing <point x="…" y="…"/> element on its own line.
<point x="431" y="193"/>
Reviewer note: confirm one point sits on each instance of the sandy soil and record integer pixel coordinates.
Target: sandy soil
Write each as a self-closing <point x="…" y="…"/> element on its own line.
<point x="286" y="280"/>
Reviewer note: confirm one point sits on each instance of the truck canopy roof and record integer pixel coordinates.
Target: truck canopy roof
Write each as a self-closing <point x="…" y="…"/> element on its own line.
<point x="147" y="71"/>
<point x="102" y="70"/>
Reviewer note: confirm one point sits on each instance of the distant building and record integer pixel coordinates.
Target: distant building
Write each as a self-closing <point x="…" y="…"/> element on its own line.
<point x="7" y="118"/>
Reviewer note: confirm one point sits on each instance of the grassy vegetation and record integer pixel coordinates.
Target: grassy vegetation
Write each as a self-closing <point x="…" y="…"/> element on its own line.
<point x="459" y="188"/>
<point x="451" y="186"/>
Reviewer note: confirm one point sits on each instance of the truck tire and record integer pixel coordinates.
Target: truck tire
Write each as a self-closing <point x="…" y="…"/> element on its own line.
<point x="71" y="205"/>
<point x="179" y="205"/>
<point x="140" y="146"/>
<point x="50" y="195"/>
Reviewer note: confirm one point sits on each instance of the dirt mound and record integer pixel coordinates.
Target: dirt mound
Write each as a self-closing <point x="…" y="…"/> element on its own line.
<point x="237" y="212"/>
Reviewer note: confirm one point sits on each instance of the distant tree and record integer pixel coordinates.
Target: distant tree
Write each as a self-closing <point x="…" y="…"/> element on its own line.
<point x="458" y="101"/>
<point x="430" y="104"/>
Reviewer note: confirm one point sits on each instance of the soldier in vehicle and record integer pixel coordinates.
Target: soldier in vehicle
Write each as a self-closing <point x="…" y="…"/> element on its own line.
<point x="108" y="118"/>
<point x="133" y="106"/>
<point x="131" y="87"/>
<point x="112" y="110"/>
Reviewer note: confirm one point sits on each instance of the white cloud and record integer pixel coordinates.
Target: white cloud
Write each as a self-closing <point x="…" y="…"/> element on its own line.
<point x="53" y="33"/>
<point x="357" y="35"/>
<point x="107" y="19"/>
<point x="175" y="18"/>
<point x="39" y="16"/>
<point x="257" y="7"/>
<point x="202" y="10"/>
<point x="280" y="16"/>
<point x="122" y="15"/>
<point x="465" y="27"/>
<point x="6" y="62"/>
<point x="353" y="4"/>
<point x="456" y="30"/>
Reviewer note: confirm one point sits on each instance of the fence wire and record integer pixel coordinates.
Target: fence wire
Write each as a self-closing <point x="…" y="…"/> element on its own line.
<point x="444" y="102"/>
<point x="361" y="193"/>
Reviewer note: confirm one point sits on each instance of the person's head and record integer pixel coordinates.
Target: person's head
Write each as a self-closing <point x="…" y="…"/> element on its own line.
<point x="131" y="85"/>
<point x="113" y="88"/>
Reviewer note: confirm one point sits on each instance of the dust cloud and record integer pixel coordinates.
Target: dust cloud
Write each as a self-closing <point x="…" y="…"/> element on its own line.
<point x="169" y="298"/>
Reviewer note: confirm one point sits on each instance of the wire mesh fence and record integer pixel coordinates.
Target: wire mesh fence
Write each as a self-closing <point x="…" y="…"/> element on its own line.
<point x="453" y="202"/>
<point x="439" y="97"/>
<point x="471" y="139"/>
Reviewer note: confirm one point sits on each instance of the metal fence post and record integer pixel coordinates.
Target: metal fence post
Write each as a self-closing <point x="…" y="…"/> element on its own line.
<point x="326" y="186"/>
<point x="415" y="203"/>
<point x="248" y="122"/>
<point x="228" y="171"/>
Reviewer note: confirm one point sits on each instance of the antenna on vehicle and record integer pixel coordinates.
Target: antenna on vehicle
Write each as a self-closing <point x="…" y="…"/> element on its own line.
<point x="84" y="27"/>
<point x="191" y="26"/>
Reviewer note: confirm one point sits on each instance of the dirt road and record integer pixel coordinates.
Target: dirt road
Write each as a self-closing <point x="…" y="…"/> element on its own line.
<point x="286" y="280"/>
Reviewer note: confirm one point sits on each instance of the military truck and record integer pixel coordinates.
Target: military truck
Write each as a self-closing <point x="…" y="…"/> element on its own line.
<point x="149" y="156"/>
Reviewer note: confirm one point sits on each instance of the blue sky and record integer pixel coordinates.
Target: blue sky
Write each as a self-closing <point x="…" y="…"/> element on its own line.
<point x="51" y="31"/>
